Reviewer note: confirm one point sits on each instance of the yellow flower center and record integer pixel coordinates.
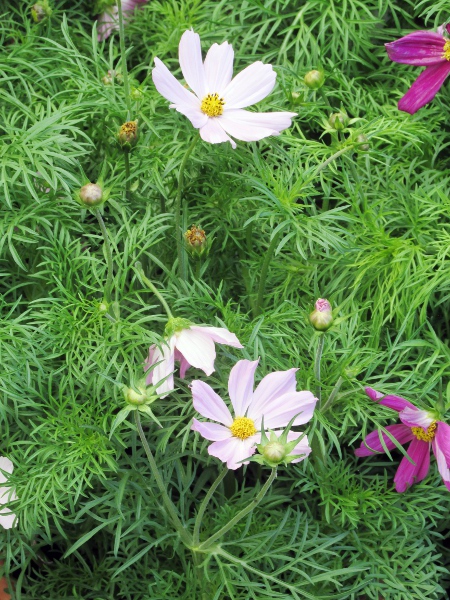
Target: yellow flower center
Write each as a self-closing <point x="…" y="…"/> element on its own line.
<point x="426" y="436"/>
<point x="446" y="53"/>
<point x="212" y="105"/>
<point x="243" y="427"/>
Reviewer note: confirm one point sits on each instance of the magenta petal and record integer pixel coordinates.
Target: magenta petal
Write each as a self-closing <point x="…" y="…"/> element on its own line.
<point x="421" y="48"/>
<point x="407" y="473"/>
<point x="395" y="402"/>
<point x="441" y="463"/>
<point x="372" y="444"/>
<point x="443" y="439"/>
<point x="425" y="87"/>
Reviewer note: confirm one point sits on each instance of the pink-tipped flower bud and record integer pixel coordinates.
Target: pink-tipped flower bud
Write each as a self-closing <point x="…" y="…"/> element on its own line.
<point x="91" y="195"/>
<point x="321" y="317"/>
<point x="314" y="79"/>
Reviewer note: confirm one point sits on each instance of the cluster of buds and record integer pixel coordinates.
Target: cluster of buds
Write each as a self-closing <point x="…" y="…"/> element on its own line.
<point x="128" y="135"/>
<point x="111" y="76"/>
<point x="40" y="11"/>
<point x="196" y="242"/>
<point x="321" y="317"/>
<point x="314" y="79"/>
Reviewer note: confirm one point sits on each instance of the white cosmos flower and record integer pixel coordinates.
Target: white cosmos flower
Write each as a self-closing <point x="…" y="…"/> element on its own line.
<point x="216" y="106"/>
<point x="7" y="518"/>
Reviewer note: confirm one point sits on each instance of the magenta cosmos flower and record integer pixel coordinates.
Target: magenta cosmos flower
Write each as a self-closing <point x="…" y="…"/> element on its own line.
<point x="215" y="105"/>
<point x="428" y="49"/>
<point x="192" y="345"/>
<point x="109" y="20"/>
<point x="419" y="427"/>
<point x="275" y="399"/>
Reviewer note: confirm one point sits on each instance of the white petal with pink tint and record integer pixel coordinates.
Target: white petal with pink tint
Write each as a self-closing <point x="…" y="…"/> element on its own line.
<point x="166" y="358"/>
<point x="220" y="335"/>
<point x="271" y="387"/>
<point x="442" y="464"/>
<point x="251" y="127"/>
<point x="233" y="450"/>
<point x="240" y="385"/>
<point x="209" y="404"/>
<point x="197" y="348"/>
<point x="250" y="86"/>
<point x="7" y="518"/>
<point x="211" y="431"/>
<point x="416" y="417"/>
<point x="302" y="447"/>
<point x="219" y="67"/>
<point x="191" y="63"/>
<point x="278" y="414"/>
<point x="213" y="133"/>
<point x="169" y="87"/>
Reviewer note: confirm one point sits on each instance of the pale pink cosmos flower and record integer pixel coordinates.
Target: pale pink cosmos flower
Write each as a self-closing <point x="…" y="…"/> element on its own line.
<point x="215" y="105"/>
<point x="419" y="427"/>
<point x="428" y="49"/>
<point x="7" y="518"/>
<point x="191" y="345"/>
<point x="109" y="20"/>
<point x="275" y="399"/>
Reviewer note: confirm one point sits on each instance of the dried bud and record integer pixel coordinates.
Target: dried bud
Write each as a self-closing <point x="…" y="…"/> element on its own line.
<point x="338" y="121"/>
<point x="274" y="452"/>
<point x="196" y="241"/>
<point x="362" y="146"/>
<point x="40" y="11"/>
<point x="314" y="79"/>
<point x="128" y="135"/>
<point x="321" y="317"/>
<point x="91" y="195"/>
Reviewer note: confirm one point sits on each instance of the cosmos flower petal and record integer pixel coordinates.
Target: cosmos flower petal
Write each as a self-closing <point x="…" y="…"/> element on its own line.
<point x="7" y="466"/>
<point x="413" y="417"/>
<point x="278" y="413"/>
<point x="219" y="67"/>
<point x="220" y="335"/>
<point x="191" y="63"/>
<point x="395" y="402"/>
<point x="169" y="87"/>
<point x="421" y="48"/>
<point x="443" y="439"/>
<point x="240" y="385"/>
<point x="425" y="87"/>
<point x="442" y="463"/>
<point x="302" y="447"/>
<point x="407" y="473"/>
<point x="194" y="114"/>
<point x="197" y="348"/>
<point x="372" y="444"/>
<point x="209" y="404"/>
<point x="270" y="388"/>
<point x="165" y="356"/>
<point x="233" y="450"/>
<point x="213" y="133"/>
<point x="251" y="127"/>
<point x="211" y="431"/>
<point x="251" y="85"/>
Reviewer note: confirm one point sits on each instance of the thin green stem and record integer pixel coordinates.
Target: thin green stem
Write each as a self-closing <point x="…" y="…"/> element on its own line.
<point x="178" y="232"/>
<point x="126" y="158"/>
<point x="333" y="394"/>
<point x="109" y="260"/>
<point x="126" y="84"/>
<point x="325" y="164"/>
<point x="241" y="514"/>
<point x="152" y="287"/>
<point x="183" y="533"/>
<point x="264" y="270"/>
<point x="204" y="505"/>
<point x="317" y="361"/>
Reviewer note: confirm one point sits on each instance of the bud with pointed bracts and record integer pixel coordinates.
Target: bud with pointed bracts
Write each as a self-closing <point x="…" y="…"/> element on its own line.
<point x="321" y="317"/>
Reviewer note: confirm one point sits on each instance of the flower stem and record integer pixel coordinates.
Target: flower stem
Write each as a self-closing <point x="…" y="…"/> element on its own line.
<point x="241" y="514"/>
<point x="204" y="504"/>
<point x="126" y="158"/>
<point x="126" y="85"/>
<point x="109" y="260"/>
<point x="264" y="271"/>
<point x="178" y="232"/>
<point x="326" y="162"/>
<point x="183" y="533"/>
<point x="319" y="351"/>
<point x="333" y="394"/>
<point x="151" y="286"/>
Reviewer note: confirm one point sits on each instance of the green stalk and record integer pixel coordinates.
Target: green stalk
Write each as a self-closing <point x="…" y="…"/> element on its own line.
<point x="109" y="260"/>
<point x="178" y="232"/>
<point x="126" y="84"/>
<point x="317" y="361"/>
<point x="264" y="271"/>
<point x="241" y="514"/>
<point x="126" y="158"/>
<point x="204" y="504"/>
<point x="152" y="287"/>
<point x="182" y="532"/>
<point x="333" y="394"/>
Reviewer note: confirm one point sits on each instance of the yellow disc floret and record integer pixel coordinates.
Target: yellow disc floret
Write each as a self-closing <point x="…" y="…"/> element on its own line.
<point x="243" y="427"/>
<point x="212" y="105"/>
<point x="446" y="53"/>
<point x="426" y="436"/>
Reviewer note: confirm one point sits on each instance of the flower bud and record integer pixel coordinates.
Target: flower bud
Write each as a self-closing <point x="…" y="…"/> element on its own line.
<point x="137" y="93"/>
<point x="362" y="146"/>
<point x="274" y="452"/>
<point x="91" y="195"/>
<point x="296" y="97"/>
<point x="140" y="394"/>
<point x="40" y="11"/>
<point x="321" y="317"/>
<point x="314" y="79"/>
<point x="128" y="135"/>
<point x="196" y="242"/>
<point x="338" y="121"/>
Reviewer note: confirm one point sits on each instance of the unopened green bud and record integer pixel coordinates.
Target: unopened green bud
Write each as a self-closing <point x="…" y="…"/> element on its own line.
<point x="91" y="195"/>
<point x="140" y="394"/>
<point x="136" y="93"/>
<point x="338" y="121"/>
<point x="314" y="79"/>
<point x="196" y="242"/>
<point x="274" y="452"/>
<point x="362" y="146"/>
<point x="296" y="97"/>
<point x="40" y="11"/>
<point x="321" y="317"/>
<point x="128" y="135"/>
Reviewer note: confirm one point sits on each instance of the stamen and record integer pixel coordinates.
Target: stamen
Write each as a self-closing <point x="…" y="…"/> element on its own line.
<point x="243" y="427"/>
<point x="212" y="105"/>
<point x="425" y="436"/>
<point x="446" y="53"/>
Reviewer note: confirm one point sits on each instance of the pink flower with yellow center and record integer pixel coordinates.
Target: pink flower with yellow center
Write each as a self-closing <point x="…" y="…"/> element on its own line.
<point x="428" y="49"/>
<point x="275" y="399"/>
<point x="422" y="430"/>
